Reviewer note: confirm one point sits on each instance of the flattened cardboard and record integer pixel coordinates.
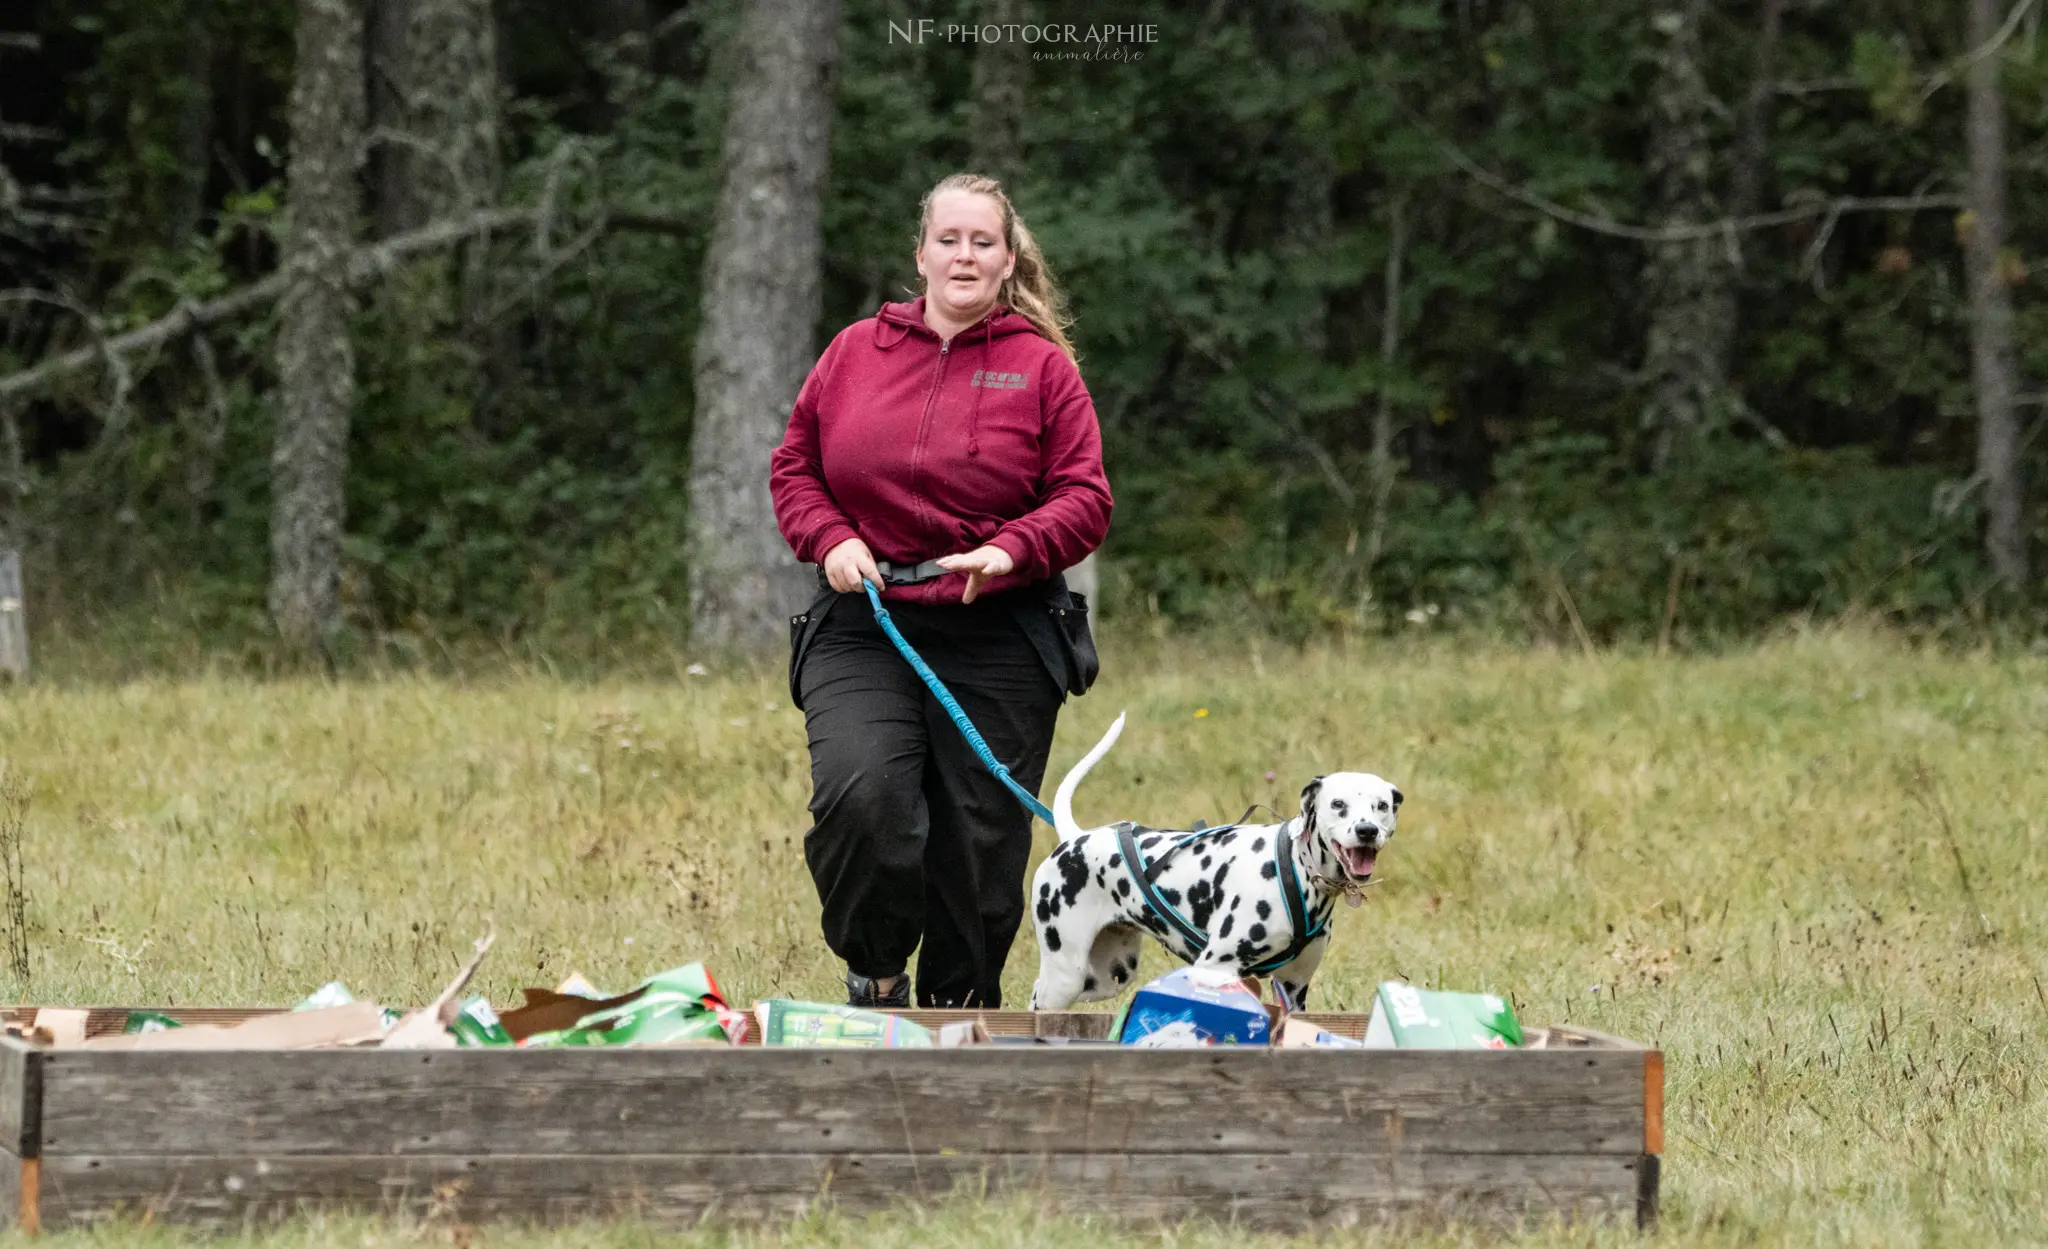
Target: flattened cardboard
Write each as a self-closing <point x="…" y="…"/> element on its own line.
<point x="353" y="1024"/>
<point x="963" y="1033"/>
<point x="1297" y="1033"/>
<point x="430" y="1027"/>
<point x="66" y="1025"/>
<point x="549" y="1010"/>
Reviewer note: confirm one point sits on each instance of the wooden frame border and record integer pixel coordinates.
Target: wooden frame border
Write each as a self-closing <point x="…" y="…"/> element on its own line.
<point x="25" y="1071"/>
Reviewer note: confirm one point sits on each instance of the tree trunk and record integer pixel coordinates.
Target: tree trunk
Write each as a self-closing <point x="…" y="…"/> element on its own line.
<point x="14" y="464"/>
<point x="395" y="192"/>
<point x="1390" y="355"/>
<point x="621" y="27"/>
<point x="1691" y="321"/>
<point x="1002" y="71"/>
<point x="761" y="305"/>
<point x="1993" y="365"/>
<point x="433" y="68"/>
<point x="314" y="361"/>
<point x="454" y="111"/>
<point x="1753" y="146"/>
<point x="453" y="105"/>
<point x="195" y="129"/>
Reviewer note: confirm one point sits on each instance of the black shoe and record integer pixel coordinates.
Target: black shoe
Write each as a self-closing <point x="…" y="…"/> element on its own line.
<point x="860" y="991"/>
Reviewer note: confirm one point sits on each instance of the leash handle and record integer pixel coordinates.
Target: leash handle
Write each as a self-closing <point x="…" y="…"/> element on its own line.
<point x="952" y="706"/>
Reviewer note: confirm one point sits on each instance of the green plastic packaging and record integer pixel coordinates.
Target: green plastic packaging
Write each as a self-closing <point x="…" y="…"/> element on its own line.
<point x="1405" y="1017"/>
<point x="476" y="1026"/>
<point x="149" y="1021"/>
<point x="333" y="993"/>
<point x="823" y="1025"/>
<point x="681" y="1004"/>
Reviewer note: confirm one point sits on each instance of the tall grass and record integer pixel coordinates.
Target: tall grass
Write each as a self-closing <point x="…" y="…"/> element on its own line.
<point x="1813" y="872"/>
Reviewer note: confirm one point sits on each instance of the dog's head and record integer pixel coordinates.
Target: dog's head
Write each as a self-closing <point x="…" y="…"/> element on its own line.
<point x="1352" y="815"/>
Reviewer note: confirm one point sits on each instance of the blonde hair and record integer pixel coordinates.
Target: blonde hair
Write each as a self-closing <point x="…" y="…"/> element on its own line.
<point x="1029" y="290"/>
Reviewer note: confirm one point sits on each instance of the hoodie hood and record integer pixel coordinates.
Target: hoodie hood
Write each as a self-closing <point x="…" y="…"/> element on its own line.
<point x="897" y="321"/>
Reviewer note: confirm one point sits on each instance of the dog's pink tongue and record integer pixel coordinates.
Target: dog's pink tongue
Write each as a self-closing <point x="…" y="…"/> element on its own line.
<point x="1359" y="861"/>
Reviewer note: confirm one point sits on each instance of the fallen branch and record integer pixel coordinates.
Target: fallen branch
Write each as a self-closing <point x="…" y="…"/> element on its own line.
<point x="366" y="264"/>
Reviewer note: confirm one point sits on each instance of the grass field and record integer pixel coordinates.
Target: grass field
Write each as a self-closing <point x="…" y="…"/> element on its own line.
<point x="1813" y="872"/>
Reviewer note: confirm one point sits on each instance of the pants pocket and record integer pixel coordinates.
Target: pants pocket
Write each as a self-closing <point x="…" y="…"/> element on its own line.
<point x="802" y="628"/>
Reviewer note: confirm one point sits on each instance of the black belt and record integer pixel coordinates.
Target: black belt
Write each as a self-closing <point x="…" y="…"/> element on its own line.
<point x="914" y="574"/>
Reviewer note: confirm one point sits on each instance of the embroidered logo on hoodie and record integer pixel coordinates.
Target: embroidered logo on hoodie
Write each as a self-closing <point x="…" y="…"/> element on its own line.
<point x="989" y="379"/>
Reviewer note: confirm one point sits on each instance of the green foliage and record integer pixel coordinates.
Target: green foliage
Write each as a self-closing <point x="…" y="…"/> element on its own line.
<point x="1222" y="216"/>
<point x="1743" y="537"/>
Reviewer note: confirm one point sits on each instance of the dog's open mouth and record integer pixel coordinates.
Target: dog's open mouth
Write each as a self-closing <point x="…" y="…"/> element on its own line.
<point x="1357" y="861"/>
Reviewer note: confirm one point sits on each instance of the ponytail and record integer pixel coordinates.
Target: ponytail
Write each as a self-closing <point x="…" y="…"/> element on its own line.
<point x="1029" y="291"/>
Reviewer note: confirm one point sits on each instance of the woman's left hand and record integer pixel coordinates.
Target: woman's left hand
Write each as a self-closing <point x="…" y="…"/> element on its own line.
<point x="980" y="564"/>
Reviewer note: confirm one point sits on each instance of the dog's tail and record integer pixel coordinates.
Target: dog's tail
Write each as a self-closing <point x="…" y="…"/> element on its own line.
<point x="1063" y="801"/>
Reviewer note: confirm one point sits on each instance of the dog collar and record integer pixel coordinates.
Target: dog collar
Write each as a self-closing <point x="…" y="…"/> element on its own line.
<point x="1353" y="891"/>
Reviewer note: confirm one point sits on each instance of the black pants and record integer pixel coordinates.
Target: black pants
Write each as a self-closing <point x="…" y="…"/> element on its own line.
<point x="914" y="839"/>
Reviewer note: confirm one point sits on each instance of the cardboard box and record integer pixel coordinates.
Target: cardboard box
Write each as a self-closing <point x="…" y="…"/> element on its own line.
<point x="1405" y="1017"/>
<point x="1298" y="1033"/>
<point x="828" y="1026"/>
<point x="1220" y="1007"/>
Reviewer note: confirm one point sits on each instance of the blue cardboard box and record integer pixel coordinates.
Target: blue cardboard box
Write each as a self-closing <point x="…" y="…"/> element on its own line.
<point x="1219" y="1006"/>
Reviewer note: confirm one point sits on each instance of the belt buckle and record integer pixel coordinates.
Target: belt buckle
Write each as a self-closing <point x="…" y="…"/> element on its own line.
<point x="896" y="574"/>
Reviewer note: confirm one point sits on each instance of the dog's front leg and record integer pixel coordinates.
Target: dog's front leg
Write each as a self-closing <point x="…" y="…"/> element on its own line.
<point x="1065" y="938"/>
<point x="1060" y="978"/>
<point x="1291" y="981"/>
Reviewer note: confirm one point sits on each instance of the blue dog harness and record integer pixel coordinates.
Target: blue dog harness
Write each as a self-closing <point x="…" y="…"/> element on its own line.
<point x="1290" y="890"/>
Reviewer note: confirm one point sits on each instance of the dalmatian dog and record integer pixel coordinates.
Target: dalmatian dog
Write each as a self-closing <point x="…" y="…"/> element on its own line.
<point x="1091" y="918"/>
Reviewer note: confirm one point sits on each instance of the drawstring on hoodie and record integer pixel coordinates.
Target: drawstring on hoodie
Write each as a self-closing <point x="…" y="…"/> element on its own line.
<point x="988" y="349"/>
<point x="902" y="332"/>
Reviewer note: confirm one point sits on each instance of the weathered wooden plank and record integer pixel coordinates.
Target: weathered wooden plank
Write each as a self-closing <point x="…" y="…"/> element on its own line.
<point x="11" y="1212"/>
<point x="1076" y="1024"/>
<point x="21" y="1107"/>
<point x="1266" y="1190"/>
<point x="1084" y="1025"/>
<point x="1225" y="1100"/>
<point x="20" y="1098"/>
<point x="13" y="619"/>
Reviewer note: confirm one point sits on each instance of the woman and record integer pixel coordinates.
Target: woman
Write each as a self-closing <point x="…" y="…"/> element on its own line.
<point x="946" y="450"/>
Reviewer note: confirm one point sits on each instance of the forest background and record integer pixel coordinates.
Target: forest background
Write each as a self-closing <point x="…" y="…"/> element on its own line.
<point x="1573" y="321"/>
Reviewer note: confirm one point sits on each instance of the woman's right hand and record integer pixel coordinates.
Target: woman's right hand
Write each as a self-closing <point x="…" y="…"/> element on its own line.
<point x="847" y="563"/>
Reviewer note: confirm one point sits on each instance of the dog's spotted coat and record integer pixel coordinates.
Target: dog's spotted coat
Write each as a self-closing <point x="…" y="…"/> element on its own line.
<point x="1091" y="918"/>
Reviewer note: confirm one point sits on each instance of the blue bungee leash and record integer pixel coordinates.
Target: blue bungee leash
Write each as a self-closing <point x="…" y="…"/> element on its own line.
<point x="1298" y="909"/>
<point x="952" y="705"/>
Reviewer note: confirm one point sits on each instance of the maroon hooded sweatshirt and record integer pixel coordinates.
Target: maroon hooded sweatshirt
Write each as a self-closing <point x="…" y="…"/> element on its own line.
<point x="923" y="449"/>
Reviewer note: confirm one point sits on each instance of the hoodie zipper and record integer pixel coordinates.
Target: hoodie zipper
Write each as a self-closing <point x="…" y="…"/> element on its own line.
<point x="923" y="432"/>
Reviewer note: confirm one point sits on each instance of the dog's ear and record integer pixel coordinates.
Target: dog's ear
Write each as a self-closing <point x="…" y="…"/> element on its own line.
<point x="1309" y="794"/>
<point x="1397" y="798"/>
